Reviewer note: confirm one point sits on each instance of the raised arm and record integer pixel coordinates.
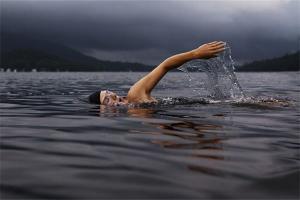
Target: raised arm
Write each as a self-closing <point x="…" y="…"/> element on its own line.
<point x="142" y="89"/>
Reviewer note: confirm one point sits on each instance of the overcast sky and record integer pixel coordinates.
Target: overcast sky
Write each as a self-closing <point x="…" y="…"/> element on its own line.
<point x="149" y="31"/>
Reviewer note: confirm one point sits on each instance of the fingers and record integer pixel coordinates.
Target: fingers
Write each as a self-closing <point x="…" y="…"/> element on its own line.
<point x="219" y="50"/>
<point x="212" y="42"/>
<point x="218" y="46"/>
<point x="216" y="51"/>
<point x="215" y="43"/>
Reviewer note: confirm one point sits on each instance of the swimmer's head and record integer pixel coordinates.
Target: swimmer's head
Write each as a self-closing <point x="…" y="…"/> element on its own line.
<point x="110" y="98"/>
<point x="106" y="97"/>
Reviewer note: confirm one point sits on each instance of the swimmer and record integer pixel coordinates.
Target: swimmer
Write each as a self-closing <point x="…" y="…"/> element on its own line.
<point x="140" y="92"/>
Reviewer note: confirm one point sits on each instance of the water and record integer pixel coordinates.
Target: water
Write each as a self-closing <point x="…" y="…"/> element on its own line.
<point x="55" y="145"/>
<point x="221" y="82"/>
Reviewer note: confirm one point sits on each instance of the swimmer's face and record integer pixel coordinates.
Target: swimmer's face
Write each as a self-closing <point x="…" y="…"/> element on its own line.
<point x="110" y="98"/>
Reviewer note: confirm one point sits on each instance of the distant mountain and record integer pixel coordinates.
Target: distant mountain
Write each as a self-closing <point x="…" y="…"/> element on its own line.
<point x="24" y="54"/>
<point x="289" y="62"/>
<point x="28" y="59"/>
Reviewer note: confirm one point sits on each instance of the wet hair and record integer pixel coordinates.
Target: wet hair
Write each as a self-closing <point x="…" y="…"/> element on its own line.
<point x="95" y="98"/>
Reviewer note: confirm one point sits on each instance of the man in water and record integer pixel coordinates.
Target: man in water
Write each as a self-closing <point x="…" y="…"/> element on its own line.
<point x="140" y="92"/>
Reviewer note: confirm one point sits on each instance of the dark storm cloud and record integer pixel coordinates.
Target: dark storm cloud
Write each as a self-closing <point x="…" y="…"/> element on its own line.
<point x="147" y="31"/>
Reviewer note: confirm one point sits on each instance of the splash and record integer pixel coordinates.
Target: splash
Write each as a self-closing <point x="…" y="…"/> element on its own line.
<point x="221" y="83"/>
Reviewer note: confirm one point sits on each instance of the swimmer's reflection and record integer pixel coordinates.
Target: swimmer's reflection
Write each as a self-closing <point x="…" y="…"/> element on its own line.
<point x="204" y="144"/>
<point x="141" y="112"/>
<point x="185" y="134"/>
<point x="189" y="135"/>
<point x="203" y="138"/>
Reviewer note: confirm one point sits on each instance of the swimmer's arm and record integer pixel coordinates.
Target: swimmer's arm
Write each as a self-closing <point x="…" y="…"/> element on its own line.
<point x="145" y="85"/>
<point x="142" y="89"/>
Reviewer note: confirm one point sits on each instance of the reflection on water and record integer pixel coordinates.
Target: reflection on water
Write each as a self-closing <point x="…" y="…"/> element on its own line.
<point x="191" y="135"/>
<point x="187" y="135"/>
<point x="55" y="145"/>
<point x="141" y="112"/>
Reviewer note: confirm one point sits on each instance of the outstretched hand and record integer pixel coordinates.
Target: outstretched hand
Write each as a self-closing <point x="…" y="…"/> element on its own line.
<point x="209" y="50"/>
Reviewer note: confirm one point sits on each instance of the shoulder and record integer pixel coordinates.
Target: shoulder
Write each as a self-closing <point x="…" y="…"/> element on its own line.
<point x="139" y="96"/>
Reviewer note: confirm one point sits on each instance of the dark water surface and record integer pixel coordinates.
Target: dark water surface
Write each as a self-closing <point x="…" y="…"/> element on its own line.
<point x="55" y="145"/>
